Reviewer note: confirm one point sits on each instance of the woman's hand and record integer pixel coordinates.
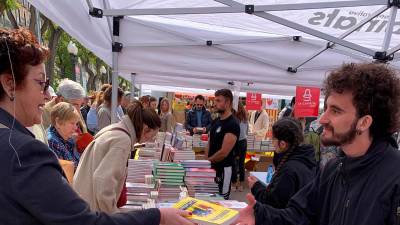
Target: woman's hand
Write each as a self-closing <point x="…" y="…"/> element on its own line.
<point x="173" y="216"/>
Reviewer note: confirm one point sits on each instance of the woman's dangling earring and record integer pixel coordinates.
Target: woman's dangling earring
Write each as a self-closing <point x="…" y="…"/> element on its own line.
<point x="12" y="98"/>
<point x="359" y="132"/>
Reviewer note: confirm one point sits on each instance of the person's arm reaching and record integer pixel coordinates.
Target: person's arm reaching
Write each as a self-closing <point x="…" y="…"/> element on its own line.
<point x="279" y="194"/>
<point x="302" y="209"/>
<point x="39" y="187"/>
<point x="227" y="145"/>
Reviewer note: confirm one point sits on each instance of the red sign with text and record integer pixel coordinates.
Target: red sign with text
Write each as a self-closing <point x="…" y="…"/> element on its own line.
<point x="307" y="102"/>
<point x="253" y="101"/>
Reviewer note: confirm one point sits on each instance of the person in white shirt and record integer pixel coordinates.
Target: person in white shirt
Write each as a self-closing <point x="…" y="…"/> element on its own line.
<point x="259" y="123"/>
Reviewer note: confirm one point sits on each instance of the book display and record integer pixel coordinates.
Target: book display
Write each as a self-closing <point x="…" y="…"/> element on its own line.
<point x="200" y="178"/>
<point x="170" y="177"/>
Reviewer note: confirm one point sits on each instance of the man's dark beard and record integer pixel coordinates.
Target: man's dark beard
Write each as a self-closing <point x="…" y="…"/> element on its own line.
<point x="221" y="111"/>
<point x="340" y="139"/>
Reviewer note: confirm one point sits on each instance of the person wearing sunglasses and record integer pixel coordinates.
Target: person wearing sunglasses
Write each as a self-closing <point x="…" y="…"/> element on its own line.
<point x="198" y="119"/>
<point x="34" y="189"/>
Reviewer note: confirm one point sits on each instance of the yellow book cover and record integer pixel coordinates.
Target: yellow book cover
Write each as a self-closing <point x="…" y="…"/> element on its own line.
<point x="205" y="213"/>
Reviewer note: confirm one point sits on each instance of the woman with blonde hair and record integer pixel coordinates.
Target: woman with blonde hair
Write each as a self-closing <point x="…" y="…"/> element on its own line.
<point x="167" y="120"/>
<point x="64" y="120"/>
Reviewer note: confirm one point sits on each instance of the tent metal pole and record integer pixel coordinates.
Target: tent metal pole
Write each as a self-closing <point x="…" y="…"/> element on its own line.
<point x="172" y="11"/>
<point x="276" y="81"/>
<point x="202" y="43"/>
<point x="133" y="81"/>
<point x="318" y="5"/>
<point x="106" y="5"/>
<point x="116" y="49"/>
<point x="235" y="8"/>
<point x="90" y="4"/>
<point x="393" y="50"/>
<point x="115" y="85"/>
<point x="230" y="3"/>
<point x="315" y="33"/>
<point x="222" y="48"/>
<point x="294" y="25"/>
<point x="353" y="55"/>
<point x="345" y="34"/>
<point x="389" y="29"/>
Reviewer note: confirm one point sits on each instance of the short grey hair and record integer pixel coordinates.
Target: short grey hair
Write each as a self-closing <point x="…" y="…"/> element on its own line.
<point x="70" y="90"/>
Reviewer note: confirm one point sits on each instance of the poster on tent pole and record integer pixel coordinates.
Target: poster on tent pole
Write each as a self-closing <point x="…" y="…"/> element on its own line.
<point x="307" y="102"/>
<point x="253" y="101"/>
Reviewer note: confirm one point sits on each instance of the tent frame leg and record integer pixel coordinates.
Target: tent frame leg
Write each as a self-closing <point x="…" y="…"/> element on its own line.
<point x="116" y="48"/>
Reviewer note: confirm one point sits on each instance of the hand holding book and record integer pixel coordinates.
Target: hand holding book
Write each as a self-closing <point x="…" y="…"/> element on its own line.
<point x="171" y="216"/>
<point x="246" y="215"/>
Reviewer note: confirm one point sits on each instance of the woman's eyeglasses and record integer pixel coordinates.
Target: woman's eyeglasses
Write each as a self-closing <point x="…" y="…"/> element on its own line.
<point x="44" y="84"/>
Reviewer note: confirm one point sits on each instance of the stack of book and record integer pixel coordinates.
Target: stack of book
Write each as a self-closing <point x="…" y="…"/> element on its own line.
<point x="139" y="192"/>
<point x="198" y="142"/>
<point x="160" y="138"/>
<point x="140" y="184"/>
<point x="151" y="150"/>
<point x="165" y="155"/>
<point x="138" y="170"/>
<point x="199" y="178"/>
<point x="170" y="177"/>
<point x="251" y="138"/>
<point x="196" y="164"/>
<point x="179" y="127"/>
<point x="267" y="146"/>
<point x="180" y="155"/>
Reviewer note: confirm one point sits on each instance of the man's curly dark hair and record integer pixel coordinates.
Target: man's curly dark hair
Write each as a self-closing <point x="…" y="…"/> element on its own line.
<point x="376" y="92"/>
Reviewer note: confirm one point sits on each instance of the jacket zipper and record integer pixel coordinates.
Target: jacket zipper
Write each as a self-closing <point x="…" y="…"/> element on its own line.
<point x="347" y="201"/>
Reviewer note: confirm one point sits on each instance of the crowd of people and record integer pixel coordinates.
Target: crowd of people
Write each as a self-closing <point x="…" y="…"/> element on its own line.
<point x="38" y="127"/>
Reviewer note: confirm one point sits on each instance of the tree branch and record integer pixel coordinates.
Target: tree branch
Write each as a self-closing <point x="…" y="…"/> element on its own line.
<point x="32" y="23"/>
<point x="12" y="19"/>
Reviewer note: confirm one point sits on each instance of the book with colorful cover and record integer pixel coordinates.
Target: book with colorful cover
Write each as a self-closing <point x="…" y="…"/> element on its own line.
<point x="205" y="213"/>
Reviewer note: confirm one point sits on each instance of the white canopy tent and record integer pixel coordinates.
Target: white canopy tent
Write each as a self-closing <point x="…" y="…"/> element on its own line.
<point x="255" y="45"/>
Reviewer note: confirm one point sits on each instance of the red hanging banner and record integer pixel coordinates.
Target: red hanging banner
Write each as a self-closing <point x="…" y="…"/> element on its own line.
<point x="253" y="101"/>
<point x="307" y="102"/>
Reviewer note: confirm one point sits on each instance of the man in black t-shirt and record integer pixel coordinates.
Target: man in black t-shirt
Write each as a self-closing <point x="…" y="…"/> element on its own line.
<point x="224" y="134"/>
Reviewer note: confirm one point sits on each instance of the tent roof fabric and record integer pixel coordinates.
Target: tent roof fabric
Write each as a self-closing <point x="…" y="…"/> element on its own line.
<point x="172" y="50"/>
